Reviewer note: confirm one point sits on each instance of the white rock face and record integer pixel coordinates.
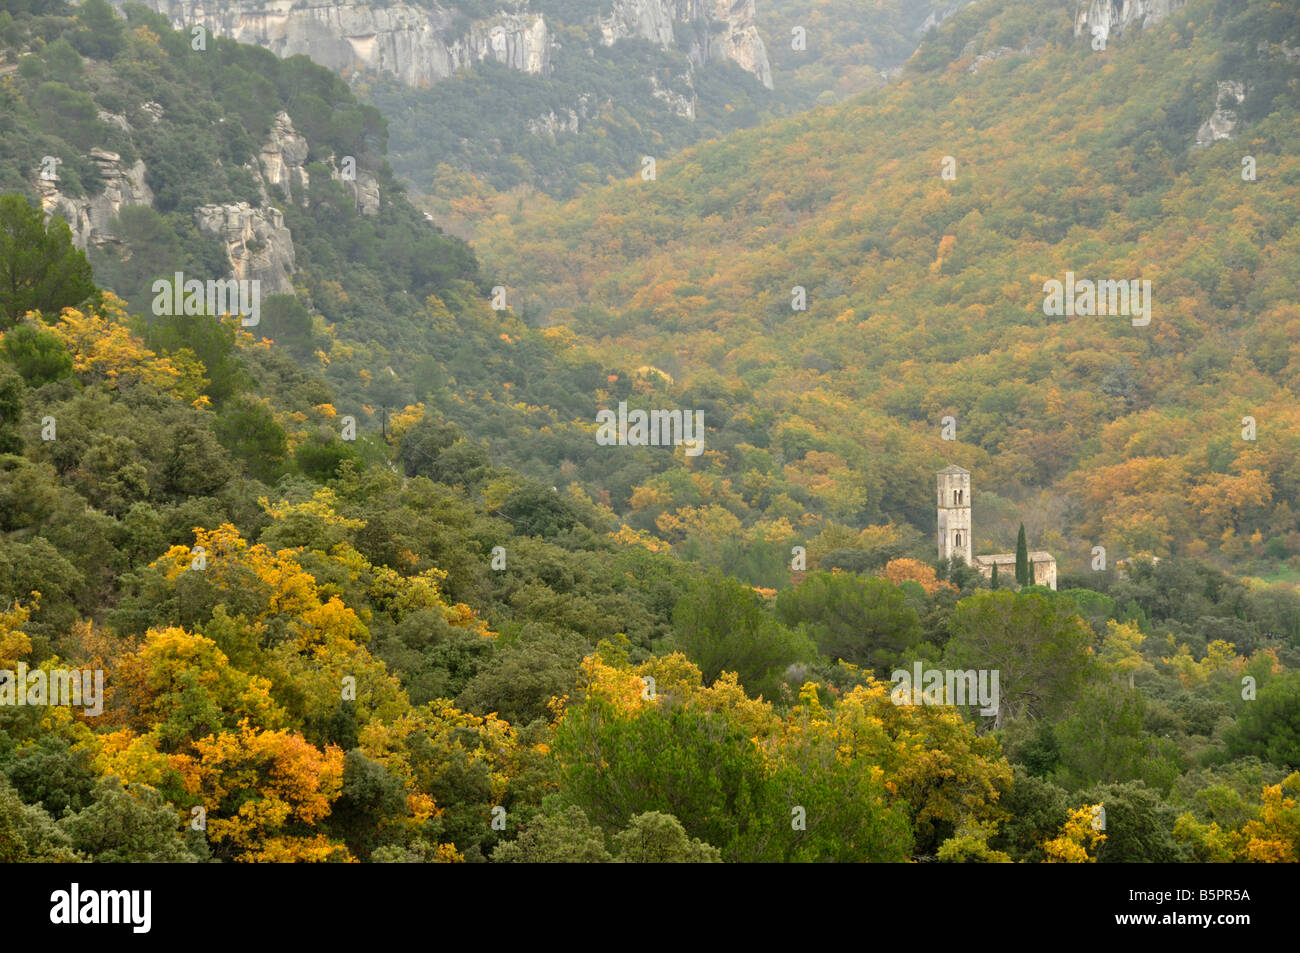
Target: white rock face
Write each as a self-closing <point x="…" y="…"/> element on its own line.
<point x="418" y="45"/>
<point x="365" y="189"/>
<point x="1114" y="17"/>
<point x="282" y="158"/>
<point x="258" y="245"/>
<point x="567" y="120"/>
<point x="712" y="30"/>
<point x="90" y="218"/>
<point x="257" y="242"/>
<point x="1290" y="54"/>
<point x="679" y="103"/>
<point x="281" y="167"/>
<point x="114" y="119"/>
<point x="935" y="17"/>
<point x="363" y="185"/>
<point x="548" y="124"/>
<point x="647" y="19"/>
<point x="740" y="40"/>
<point x="421" y="44"/>
<point x="1222" y="123"/>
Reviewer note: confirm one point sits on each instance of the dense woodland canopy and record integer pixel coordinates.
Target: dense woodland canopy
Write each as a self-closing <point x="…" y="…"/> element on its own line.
<point x="495" y="140"/>
<point x="472" y="634"/>
<point x="925" y="297"/>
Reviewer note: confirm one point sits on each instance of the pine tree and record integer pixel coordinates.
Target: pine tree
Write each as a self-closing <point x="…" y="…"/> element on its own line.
<point x="1022" y="558"/>
<point x="40" y="268"/>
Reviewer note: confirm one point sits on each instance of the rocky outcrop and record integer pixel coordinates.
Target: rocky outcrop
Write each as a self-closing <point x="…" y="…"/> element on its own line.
<point x="941" y="13"/>
<point x="281" y="170"/>
<point x="258" y="245"/>
<point x="1223" y="122"/>
<point x="1107" y="18"/>
<point x="365" y="191"/>
<point x="257" y="242"/>
<point x="1288" y="53"/>
<point x="418" y="44"/>
<point x="708" y="29"/>
<point x="548" y="124"/>
<point x="568" y="120"/>
<point x="282" y="159"/>
<point x="644" y="20"/>
<point x="90" y="218"/>
<point x="994" y="54"/>
<point x="680" y="103"/>
<point x="114" y="119"/>
<point x="740" y="42"/>
<point x="361" y="183"/>
<point x="423" y="42"/>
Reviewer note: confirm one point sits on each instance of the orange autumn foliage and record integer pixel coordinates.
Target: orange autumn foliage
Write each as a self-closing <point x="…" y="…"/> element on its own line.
<point x="898" y="571"/>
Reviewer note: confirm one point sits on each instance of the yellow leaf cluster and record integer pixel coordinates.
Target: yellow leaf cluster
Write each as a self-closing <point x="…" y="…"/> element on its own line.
<point x="14" y="643"/>
<point x="104" y="349"/>
<point x="1078" y="841"/>
<point x="1272" y="836"/>
<point x="322" y="506"/>
<point x="628" y="536"/>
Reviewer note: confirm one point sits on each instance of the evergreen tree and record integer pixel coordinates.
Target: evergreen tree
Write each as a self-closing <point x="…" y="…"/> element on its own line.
<point x="40" y="269"/>
<point x="993" y="582"/>
<point x="1022" y="558"/>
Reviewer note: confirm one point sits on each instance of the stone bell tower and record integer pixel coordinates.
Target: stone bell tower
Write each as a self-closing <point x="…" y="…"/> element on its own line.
<point x="954" y="513"/>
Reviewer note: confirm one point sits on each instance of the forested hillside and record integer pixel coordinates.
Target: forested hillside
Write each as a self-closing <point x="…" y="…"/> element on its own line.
<point x="386" y="312"/>
<point x="492" y="139"/>
<point x="357" y="582"/>
<point x="925" y="295"/>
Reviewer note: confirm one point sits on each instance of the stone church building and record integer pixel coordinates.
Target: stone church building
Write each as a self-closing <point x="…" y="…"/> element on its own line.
<point x="954" y="499"/>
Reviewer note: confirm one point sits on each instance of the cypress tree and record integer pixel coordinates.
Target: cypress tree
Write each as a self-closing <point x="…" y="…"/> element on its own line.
<point x="1022" y="558"/>
<point x="993" y="581"/>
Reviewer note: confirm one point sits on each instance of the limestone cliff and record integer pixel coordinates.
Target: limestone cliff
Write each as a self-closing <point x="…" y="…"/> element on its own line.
<point x="1106" y="18"/>
<point x="1114" y="17"/>
<point x="422" y="41"/>
<point x="281" y="159"/>
<point x="281" y="173"/>
<point x="739" y="41"/>
<point x="710" y="30"/>
<point x="256" y="240"/>
<point x="417" y="43"/>
<point x="89" y="217"/>
<point x="365" y="190"/>
<point x="1222" y="123"/>
<point x="939" y="14"/>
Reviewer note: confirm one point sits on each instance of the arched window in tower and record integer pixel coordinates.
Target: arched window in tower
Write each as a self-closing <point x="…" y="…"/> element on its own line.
<point x="959" y="540"/>
<point x="960" y="495"/>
